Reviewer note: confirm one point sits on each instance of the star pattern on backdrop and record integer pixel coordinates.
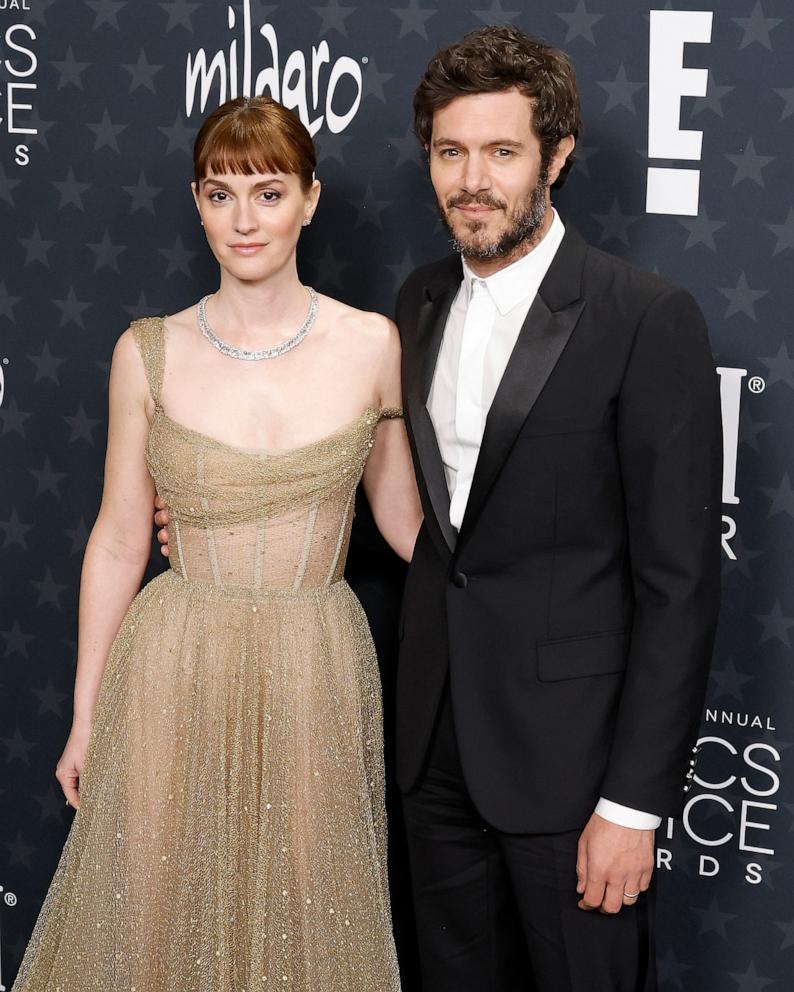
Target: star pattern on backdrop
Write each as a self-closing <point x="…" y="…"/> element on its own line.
<point x="16" y="641"/>
<point x="408" y="149"/>
<point x="671" y="971"/>
<point x="13" y="531"/>
<point x="17" y="747"/>
<point x="106" y="12"/>
<point x="615" y="225"/>
<point x="784" y="233"/>
<point x="106" y="133"/>
<point x="750" y="980"/>
<point x="50" y="700"/>
<point x="756" y="28"/>
<point x="180" y="14"/>
<point x="787" y="930"/>
<point x="369" y="209"/>
<point x="178" y="257"/>
<point x="749" y="164"/>
<point x="47" y="479"/>
<point x="713" y="99"/>
<point x="106" y="253"/>
<point x="728" y="682"/>
<point x="46" y="364"/>
<point x="780" y="367"/>
<point x="36" y="248"/>
<point x="787" y="96"/>
<point x="71" y="191"/>
<point x="180" y="136"/>
<point x="72" y="309"/>
<point x="781" y="498"/>
<point x="332" y="147"/>
<point x="333" y="16"/>
<point x="12" y="419"/>
<point x="142" y="195"/>
<point x="701" y="230"/>
<point x="496" y="14"/>
<point x="413" y="18"/>
<point x="374" y="81"/>
<point x="583" y="154"/>
<point x="580" y="23"/>
<point x="38" y="12"/>
<point x="70" y="71"/>
<point x="620" y="91"/>
<point x="142" y="73"/>
<point x="775" y="624"/>
<point x="742" y="298"/>
<point x="7" y="186"/>
<point x="712" y="920"/>
<point x="81" y="426"/>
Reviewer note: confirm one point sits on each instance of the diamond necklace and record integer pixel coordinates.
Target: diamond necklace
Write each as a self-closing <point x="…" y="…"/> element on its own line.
<point x="257" y="356"/>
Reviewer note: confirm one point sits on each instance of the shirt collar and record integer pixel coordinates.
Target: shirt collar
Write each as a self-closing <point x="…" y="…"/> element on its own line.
<point x="521" y="279"/>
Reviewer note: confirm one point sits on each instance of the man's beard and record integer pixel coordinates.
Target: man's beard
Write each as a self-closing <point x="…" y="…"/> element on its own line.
<point x="524" y="223"/>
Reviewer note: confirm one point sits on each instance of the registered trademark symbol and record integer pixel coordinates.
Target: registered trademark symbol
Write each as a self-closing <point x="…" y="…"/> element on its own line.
<point x="365" y="59"/>
<point x="10" y="899"/>
<point x="756" y="384"/>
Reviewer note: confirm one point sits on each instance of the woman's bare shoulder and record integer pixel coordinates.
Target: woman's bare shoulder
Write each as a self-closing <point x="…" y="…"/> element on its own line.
<point x="370" y="329"/>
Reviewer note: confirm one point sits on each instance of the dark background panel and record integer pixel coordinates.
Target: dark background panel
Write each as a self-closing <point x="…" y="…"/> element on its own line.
<point x="98" y="227"/>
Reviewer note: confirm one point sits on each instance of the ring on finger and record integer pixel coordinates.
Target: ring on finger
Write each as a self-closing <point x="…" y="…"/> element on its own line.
<point x="631" y="895"/>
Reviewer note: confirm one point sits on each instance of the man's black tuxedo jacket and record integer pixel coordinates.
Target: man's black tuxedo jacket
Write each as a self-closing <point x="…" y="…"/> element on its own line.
<point x="575" y="612"/>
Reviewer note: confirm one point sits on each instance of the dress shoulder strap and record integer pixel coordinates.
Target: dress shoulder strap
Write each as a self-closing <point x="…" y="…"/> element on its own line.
<point x="149" y="334"/>
<point x="390" y="412"/>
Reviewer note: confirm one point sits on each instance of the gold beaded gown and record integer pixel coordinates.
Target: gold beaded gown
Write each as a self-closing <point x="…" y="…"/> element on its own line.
<point x="231" y="829"/>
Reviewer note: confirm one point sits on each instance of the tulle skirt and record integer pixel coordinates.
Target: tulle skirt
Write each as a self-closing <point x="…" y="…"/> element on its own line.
<point x="231" y="829"/>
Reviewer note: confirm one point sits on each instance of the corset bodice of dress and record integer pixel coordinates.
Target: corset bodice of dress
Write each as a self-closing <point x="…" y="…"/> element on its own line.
<point x="254" y="519"/>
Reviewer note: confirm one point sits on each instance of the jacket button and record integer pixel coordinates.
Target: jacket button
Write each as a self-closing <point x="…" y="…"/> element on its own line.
<point x="460" y="580"/>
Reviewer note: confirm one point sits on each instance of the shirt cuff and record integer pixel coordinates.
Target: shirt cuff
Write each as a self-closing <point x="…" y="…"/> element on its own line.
<point x="625" y="816"/>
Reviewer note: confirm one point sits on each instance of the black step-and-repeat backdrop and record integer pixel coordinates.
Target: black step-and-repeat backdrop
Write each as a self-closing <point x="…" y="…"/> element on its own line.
<point x="685" y="167"/>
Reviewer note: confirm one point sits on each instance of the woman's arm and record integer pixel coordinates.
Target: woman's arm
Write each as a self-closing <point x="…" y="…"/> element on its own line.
<point x="117" y="550"/>
<point x="389" y="481"/>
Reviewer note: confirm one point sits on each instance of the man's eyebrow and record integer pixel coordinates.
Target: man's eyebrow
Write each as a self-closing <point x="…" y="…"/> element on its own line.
<point x="498" y="143"/>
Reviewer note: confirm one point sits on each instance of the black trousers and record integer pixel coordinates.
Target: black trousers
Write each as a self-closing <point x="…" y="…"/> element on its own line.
<point x="497" y="912"/>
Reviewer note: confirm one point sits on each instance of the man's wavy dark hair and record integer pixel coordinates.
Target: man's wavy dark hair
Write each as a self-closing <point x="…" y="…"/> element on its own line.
<point x="494" y="59"/>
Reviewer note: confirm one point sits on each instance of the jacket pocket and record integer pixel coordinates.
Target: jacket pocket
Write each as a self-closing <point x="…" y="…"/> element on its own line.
<point x="579" y="657"/>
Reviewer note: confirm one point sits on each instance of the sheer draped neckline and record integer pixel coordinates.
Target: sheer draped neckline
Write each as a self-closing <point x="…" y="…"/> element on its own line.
<point x="349" y="427"/>
<point x="156" y="373"/>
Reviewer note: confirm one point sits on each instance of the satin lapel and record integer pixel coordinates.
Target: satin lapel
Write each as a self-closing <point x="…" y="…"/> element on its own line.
<point x="543" y="336"/>
<point x="432" y="319"/>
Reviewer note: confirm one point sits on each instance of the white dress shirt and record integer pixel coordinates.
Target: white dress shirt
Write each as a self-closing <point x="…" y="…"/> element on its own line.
<point x="481" y="331"/>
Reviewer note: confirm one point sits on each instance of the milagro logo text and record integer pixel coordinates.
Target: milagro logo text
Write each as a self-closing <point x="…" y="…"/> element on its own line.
<point x="302" y="84"/>
<point x="18" y="65"/>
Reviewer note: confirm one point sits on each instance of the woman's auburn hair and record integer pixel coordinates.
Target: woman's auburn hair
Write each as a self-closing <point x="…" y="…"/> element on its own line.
<point x="495" y="59"/>
<point x="250" y="135"/>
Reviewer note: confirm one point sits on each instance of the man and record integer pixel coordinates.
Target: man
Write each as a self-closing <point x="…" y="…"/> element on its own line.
<point x="560" y="608"/>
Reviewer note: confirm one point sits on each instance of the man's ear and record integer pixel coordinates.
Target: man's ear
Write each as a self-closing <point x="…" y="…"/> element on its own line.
<point x="560" y="156"/>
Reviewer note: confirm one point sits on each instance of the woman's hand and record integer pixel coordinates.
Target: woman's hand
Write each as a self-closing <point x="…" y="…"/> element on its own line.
<point x="70" y="765"/>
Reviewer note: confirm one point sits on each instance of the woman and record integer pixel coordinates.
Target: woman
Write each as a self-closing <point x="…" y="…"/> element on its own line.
<point x="227" y="772"/>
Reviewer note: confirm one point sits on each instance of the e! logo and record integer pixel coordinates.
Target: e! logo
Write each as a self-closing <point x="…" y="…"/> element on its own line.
<point x="672" y="190"/>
